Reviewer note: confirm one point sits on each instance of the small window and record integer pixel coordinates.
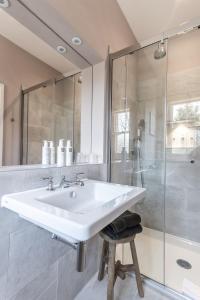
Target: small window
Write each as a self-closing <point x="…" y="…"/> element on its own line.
<point x="184" y="127"/>
<point x="121" y="131"/>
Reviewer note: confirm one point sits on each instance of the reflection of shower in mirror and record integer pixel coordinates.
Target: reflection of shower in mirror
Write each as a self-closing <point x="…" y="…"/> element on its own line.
<point x="141" y="127"/>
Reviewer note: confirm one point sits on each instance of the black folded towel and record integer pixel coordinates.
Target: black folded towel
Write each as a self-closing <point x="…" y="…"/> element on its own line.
<point x="124" y="234"/>
<point x="125" y="221"/>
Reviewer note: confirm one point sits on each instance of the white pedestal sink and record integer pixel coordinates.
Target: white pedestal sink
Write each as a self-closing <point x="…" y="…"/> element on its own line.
<point x="76" y="213"/>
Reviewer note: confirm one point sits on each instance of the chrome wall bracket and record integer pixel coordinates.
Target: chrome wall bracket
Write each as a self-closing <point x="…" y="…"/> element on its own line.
<point x="80" y="247"/>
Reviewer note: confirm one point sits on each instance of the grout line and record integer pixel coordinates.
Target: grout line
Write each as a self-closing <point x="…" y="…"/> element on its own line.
<point x="47" y="289"/>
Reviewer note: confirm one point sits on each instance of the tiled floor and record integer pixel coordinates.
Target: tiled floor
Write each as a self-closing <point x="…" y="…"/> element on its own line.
<point x="124" y="290"/>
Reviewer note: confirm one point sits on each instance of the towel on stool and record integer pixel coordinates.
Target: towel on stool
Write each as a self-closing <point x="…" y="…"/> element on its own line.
<point x="126" y="220"/>
<point x="125" y="225"/>
<point x="124" y="234"/>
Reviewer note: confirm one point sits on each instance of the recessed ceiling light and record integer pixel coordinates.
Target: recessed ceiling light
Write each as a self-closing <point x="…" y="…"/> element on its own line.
<point x="61" y="49"/>
<point x="4" y="3"/>
<point x="76" y="41"/>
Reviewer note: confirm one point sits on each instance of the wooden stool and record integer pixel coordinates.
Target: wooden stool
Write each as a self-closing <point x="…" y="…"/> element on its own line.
<point x="117" y="269"/>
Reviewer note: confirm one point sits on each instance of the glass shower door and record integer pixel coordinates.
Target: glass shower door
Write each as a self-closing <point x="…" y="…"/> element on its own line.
<point x="37" y="122"/>
<point x="137" y="148"/>
<point x="182" y="214"/>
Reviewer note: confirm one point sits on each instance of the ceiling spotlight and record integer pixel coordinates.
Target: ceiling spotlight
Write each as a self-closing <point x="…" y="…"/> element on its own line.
<point x="60" y="49"/>
<point x="4" y="3"/>
<point x="76" y="41"/>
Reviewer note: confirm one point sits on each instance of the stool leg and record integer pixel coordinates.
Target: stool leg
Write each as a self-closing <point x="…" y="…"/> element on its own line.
<point x="137" y="270"/>
<point x="103" y="261"/>
<point x="111" y="271"/>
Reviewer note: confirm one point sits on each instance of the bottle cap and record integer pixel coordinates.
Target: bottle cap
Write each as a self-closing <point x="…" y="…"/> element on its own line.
<point x="45" y="143"/>
<point x="68" y="144"/>
<point x="61" y="143"/>
<point x="51" y="144"/>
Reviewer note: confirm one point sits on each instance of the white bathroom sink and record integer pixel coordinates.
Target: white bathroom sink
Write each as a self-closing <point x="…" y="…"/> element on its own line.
<point x="77" y="212"/>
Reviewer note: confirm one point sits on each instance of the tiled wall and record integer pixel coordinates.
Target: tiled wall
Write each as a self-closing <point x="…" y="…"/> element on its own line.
<point x="33" y="266"/>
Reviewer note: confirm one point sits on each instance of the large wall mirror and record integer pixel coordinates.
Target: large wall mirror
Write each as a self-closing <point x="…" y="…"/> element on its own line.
<point x="46" y="92"/>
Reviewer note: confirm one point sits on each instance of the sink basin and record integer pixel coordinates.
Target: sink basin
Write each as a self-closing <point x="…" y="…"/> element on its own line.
<point x="77" y="212"/>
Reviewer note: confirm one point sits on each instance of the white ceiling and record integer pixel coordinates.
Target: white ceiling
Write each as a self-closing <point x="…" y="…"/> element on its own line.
<point x="28" y="41"/>
<point x="149" y="19"/>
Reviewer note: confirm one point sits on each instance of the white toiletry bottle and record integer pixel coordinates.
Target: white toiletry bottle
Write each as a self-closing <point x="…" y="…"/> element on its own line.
<point x="45" y="153"/>
<point x="61" y="153"/>
<point x="52" y="153"/>
<point x="69" y="154"/>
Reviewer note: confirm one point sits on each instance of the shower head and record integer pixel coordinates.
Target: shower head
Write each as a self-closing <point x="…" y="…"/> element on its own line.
<point x="160" y="52"/>
<point x="80" y="79"/>
<point x="141" y="124"/>
<point x="141" y="127"/>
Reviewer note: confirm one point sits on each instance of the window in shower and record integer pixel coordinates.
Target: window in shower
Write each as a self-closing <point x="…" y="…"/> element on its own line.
<point x="121" y="131"/>
<point x="184" y="126"/>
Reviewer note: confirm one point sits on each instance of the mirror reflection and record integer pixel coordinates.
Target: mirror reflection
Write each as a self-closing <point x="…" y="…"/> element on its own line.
<point x="50" y="113"/>
<point x="42" y="99"/>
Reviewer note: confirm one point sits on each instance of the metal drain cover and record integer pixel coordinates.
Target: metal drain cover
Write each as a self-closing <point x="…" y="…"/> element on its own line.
<point x="184" y="264"/>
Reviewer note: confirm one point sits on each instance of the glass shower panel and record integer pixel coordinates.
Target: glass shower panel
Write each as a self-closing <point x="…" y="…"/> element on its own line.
<point x="64" y="109"/>
<point x="137" y="147"/>
<point x="37" y="123"/>
<point x="123" y="119"/>
<point x="51" y="112"/>
<point x="182" y="212"/>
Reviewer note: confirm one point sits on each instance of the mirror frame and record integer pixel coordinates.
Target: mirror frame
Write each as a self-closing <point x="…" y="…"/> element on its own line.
<point x="2" y="87"/>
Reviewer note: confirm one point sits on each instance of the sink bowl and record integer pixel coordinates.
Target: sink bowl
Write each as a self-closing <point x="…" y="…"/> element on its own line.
<point x="77" y="212"/>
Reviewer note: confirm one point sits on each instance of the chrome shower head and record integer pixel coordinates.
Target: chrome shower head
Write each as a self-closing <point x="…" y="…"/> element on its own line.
<point x="160" y="52"/>
<point x="80" y="79"/>
<point x="141" y="124"/>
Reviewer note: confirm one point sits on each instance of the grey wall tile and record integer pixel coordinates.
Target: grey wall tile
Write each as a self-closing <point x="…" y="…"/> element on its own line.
<point x="3" y="280"/>
<point x="35" y="289"/>
<point x="31" y="252"/>
<point x="50" y="293"/>
<point x="10" y="222"/>
<point x="4" y="250"/>
<point x="70" y="283"/>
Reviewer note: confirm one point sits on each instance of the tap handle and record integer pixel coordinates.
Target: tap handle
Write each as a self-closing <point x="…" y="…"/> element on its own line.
<point x="79" y="175"/>
<point x="50" y="178"/>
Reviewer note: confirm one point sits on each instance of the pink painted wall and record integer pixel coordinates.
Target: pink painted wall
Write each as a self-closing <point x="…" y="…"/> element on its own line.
<point x="100" y="22"/>
<point x="17" y="68"/>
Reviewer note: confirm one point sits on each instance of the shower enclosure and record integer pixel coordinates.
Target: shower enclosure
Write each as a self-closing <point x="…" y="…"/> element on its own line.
<point x="51" y="111"/>
<point x="155" y="143"/>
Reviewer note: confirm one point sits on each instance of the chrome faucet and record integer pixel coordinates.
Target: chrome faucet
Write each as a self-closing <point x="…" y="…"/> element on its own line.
<point x="68" y="183"/>
<point x="50" y="186"/>
<point x="78" y="178"/>
<point x="62" y="182"/>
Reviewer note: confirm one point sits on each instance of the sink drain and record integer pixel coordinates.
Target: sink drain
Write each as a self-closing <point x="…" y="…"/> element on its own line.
<point x="184" y="264"/>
